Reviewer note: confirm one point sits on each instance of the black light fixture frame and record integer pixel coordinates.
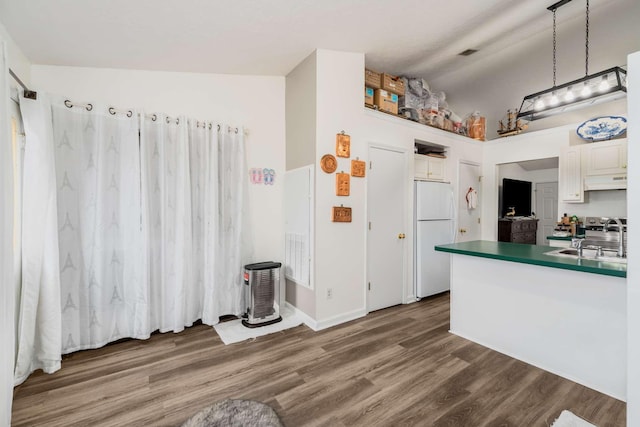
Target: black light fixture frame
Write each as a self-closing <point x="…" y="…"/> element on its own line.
<point x="527" y="109"/>
<point x="528" y="112"/>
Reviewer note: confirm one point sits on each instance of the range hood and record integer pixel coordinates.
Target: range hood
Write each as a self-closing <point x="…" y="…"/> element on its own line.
<point x="605" y="182"/>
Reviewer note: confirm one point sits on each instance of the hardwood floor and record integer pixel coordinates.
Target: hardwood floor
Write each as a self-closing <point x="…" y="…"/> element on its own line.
<point x="395" y="367"/>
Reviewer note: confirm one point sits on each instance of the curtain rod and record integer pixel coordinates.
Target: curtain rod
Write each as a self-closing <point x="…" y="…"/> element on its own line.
<point x="27" y="92"/>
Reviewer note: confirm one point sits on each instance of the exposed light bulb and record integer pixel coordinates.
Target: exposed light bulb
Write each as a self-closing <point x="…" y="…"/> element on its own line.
<point x="586" y="91"/>
<point x="604" y="84"/>
<point x="553" y="101"/>
<point x="569" y="95"/>
<point x="539" y="104"/>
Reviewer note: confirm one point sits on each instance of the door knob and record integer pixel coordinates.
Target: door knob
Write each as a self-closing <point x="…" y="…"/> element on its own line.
<point x="401" y="236"/>
<point x="463" y="230"/>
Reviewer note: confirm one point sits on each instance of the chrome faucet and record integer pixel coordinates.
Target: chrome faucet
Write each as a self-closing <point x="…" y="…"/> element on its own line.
<point x="577" y="243"/>
<point x="621" y="250"/>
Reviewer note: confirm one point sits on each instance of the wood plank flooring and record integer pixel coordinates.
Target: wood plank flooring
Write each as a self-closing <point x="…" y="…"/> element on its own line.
<point x="395" y="367"/>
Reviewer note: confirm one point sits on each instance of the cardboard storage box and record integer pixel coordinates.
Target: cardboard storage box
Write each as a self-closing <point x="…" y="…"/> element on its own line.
<point x="392" y="84"/>
<point x="386" y="101"/>
<point x="372" y="79"/>
<point x="368" y="96"/>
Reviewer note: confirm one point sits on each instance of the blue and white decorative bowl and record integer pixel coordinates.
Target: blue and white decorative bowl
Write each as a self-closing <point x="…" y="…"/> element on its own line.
<point x="602" y="128"/>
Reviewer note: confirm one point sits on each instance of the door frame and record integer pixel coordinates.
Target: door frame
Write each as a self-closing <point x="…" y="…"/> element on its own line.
<point x="535" y="197"/>
<point x="457" y="192"/>
<point x="407" y="262"/>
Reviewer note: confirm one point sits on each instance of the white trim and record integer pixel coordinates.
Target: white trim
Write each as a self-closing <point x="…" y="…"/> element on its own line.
<point x="339" y="319"/>
<point x="306" y="319"/>
<point x="316" y="325"/>
<point x="537" y="133"/>
<point x="310" y="229"/>
<point x="407" y="257"/>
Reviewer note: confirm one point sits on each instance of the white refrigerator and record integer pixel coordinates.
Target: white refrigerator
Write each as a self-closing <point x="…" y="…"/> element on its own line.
<point x="434" y="224"/>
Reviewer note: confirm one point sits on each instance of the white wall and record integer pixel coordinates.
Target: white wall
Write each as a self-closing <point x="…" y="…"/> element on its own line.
<point x="526" y="67"/>
<point x="255" y="102"/>
<point x="633" y="266"/>
<point x="598" y="203"/>
<point x="341" y="248"/>
<point x="18" y="62"/>
<point x="300" y="151"/>
<point x="301" y="113"/>
<point x="12" y="56"/>
<point x="539" y="145"/>
<point x="382" y="129"/>
<point x="528" y="146"/>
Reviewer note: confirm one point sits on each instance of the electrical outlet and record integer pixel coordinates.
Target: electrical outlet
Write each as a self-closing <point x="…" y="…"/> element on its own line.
<point x="329" y="293"/>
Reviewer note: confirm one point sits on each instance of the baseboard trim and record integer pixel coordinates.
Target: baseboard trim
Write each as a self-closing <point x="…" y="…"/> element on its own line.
<point x="326" y="323"/>
<point x="306" y="319"/>
<point x="341" y="318"/>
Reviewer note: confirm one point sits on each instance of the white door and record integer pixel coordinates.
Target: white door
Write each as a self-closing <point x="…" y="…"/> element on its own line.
<point x="386" y="213"/>
<point x="468" y="218"/>
<point x="546" y="210"/>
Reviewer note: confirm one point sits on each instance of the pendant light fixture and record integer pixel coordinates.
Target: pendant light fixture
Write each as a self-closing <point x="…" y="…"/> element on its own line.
<point x="605" y="86"/>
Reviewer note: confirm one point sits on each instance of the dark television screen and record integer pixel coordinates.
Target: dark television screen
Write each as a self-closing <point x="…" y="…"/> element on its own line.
<point x="516" y="194"/>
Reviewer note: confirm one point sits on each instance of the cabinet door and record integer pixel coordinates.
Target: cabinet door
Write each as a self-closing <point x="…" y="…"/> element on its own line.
<point x="570" y="175"/>
<point x="436" y="168"/>
<point x="604" y="158"/>
<point x="421" y="166"/>
<point x="431" y="168"/>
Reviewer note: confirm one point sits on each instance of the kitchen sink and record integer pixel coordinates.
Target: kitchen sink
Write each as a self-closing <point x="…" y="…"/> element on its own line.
<point x="588" y="253"/>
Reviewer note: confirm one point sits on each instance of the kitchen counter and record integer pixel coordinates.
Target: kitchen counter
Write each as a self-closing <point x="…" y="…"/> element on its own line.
<point x="533" y="254"/>
<point x="563" y="315"/>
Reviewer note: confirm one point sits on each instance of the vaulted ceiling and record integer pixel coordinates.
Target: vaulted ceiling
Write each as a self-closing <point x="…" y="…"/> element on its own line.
<point x="415" y="37"/>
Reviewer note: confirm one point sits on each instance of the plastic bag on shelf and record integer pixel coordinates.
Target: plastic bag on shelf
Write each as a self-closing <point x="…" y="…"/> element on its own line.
<point x="475" y="126"/>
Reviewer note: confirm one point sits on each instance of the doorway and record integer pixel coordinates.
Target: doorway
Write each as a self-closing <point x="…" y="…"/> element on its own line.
<point x="386" y="227"/>
<point x="468" y="228"/>
<point x="546" y="209"/>
<point x="543" y="176"/>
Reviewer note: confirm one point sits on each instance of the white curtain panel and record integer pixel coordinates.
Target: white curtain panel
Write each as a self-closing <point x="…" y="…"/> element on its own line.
<point x="38" y="329"/>
<point x="132" y="223"/>
<point x="103" y="284"/>
<point x="176" y="300"/>
<point x="203" y="150"/>
<point x="233" y="248"/>
<point x="7" y="299"/>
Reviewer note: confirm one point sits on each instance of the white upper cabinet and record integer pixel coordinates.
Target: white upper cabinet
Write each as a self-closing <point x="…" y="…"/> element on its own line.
<point x="606" y="158"/>
<point x="429" y="168"/>
<point x="570" y="174"/>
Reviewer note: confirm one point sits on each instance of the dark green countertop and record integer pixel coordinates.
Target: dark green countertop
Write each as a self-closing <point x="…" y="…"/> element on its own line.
<point x="533" y="254"/>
